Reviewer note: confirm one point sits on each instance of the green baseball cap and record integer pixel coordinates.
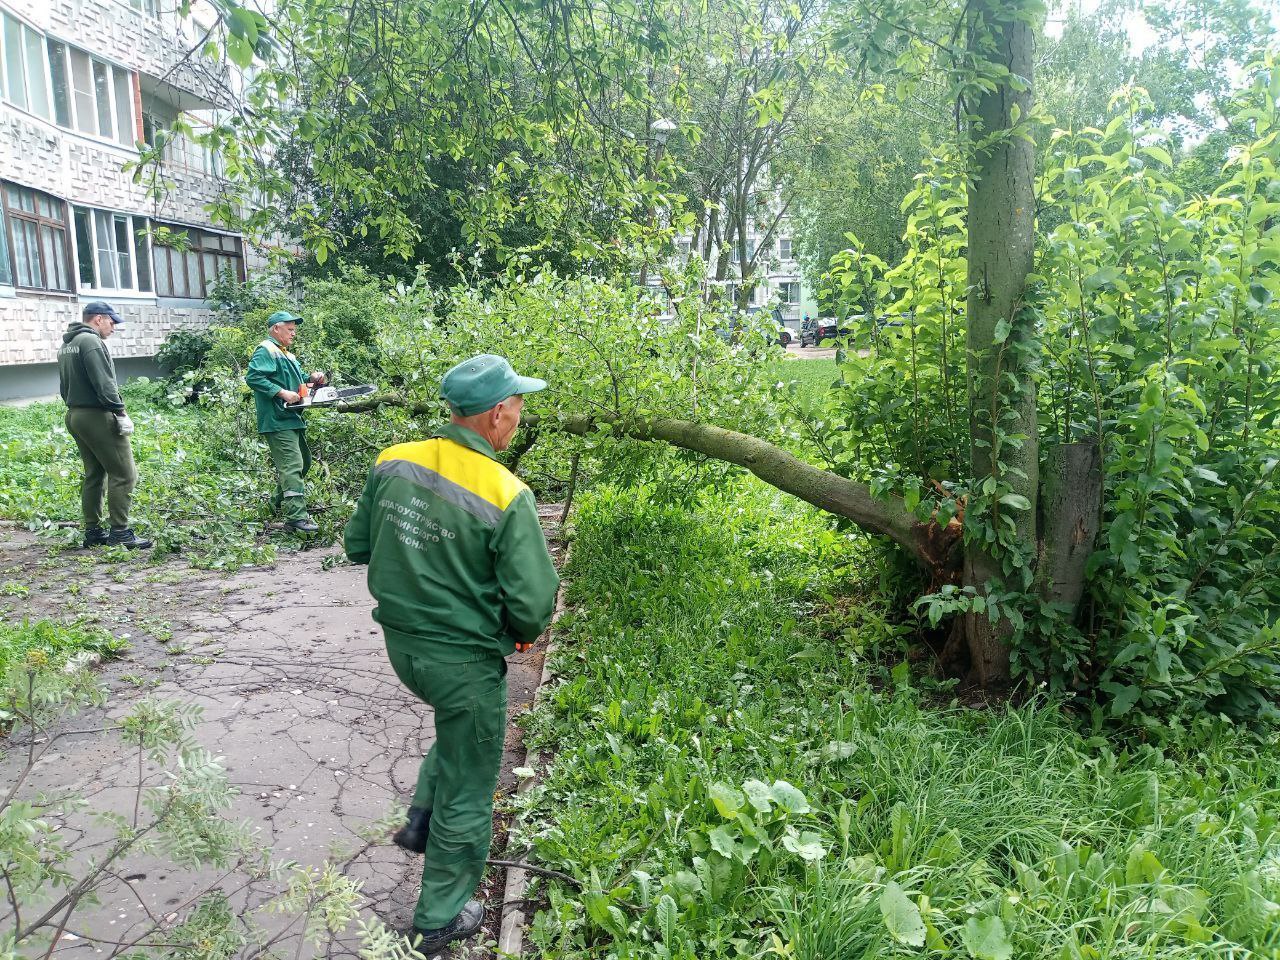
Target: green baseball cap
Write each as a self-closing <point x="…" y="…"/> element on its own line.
<point x="282" y="316"/>
<point x="482" y="382"/>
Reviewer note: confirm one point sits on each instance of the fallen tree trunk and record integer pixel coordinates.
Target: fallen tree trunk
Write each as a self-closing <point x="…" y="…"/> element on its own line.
<point x="934" y="546"/>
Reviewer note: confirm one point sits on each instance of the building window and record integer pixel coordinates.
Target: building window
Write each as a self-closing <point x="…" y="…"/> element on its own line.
<point x="25" y="79"/>
<point x="150" y="7"/>
<point x="189" y="268"/>
<point x="37" y="232"/>
<point x="112" y="252"/>
<point x="684" y="246"/>
<point x="61" y="83"/>
<point x="790" y="292"/>
<point x="784" y="248"/>
<point x="6" y="269"/>
<point x="91" y="95"/>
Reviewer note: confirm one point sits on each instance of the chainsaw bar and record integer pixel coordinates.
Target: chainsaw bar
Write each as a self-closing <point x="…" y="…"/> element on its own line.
<point x="324" y="396"/>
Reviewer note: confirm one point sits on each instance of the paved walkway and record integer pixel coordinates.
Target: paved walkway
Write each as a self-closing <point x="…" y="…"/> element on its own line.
<point x="297" y="697"/>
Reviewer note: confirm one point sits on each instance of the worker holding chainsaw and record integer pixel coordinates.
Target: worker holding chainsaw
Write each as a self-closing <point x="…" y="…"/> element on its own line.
<point x="277" y="380"/>
<point x="460" y="570"/>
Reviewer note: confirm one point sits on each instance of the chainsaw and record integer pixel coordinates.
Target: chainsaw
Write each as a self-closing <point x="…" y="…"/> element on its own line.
<point x="324" y="396"/>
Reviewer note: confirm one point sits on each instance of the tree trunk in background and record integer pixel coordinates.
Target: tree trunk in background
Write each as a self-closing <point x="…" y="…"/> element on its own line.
<point x="1071" y="507"/>
<point x="1001" y="244"/>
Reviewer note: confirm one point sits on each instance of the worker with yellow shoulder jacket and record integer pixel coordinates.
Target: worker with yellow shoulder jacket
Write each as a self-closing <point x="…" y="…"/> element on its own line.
<point x="276" y="378"/>
<point x="459" y="568"/>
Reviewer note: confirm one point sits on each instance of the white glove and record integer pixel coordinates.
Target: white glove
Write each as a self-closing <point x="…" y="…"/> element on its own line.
<point x="124" y="426"/>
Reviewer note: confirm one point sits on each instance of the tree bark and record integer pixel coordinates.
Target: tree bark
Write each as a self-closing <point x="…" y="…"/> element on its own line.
<point x="1001" y="244"/>
<point x="1071" y="507"/>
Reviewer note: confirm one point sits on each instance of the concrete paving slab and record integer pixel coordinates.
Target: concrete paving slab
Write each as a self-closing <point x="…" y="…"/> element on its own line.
<point x="314" y="729"/>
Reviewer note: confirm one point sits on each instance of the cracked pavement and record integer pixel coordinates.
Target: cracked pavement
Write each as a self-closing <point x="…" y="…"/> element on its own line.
<point x="297" y="698"/>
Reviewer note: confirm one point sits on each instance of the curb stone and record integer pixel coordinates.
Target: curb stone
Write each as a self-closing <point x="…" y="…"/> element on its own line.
<point x="511" y="934"/>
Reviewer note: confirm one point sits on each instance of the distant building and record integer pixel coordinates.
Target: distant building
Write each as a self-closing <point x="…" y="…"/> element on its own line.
<point x="82" y="83"/>
<point x="779" y="278"/>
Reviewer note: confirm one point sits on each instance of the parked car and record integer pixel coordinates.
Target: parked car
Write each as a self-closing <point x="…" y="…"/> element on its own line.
<point x="816" y="329"/>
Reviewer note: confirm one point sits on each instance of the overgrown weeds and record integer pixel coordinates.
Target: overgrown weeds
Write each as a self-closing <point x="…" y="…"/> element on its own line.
<point x="727" y="784"/>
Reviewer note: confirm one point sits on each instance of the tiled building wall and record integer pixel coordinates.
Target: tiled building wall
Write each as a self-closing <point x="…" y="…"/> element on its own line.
<point x="31" y="328"/>
<point x="113" y="29"/>
<point x="68" y="165"/>
<point x="87" y="170"/>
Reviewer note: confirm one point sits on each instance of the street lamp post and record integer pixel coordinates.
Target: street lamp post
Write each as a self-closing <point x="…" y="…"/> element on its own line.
<point x="659" y="131"/>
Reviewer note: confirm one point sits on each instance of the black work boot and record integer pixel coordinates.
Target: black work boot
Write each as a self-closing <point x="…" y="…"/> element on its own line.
<point x="125" y="537"/>
<point x="427" y="942"/>
<point x="302" y="526"/>
<point x="413" y="835"/>
<point x="95" y="537"/>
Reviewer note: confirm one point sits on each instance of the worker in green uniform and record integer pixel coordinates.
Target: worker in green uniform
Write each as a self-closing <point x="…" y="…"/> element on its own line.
<point x="459" y="568"/>
<point x="275" y="377"/>
<point x="97" y="422"/>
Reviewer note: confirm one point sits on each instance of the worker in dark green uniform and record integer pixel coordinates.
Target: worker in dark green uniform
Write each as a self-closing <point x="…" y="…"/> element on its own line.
<point x="275" y="377"/>
<point x="97" y="422"/>
<point x="459" y="568"/>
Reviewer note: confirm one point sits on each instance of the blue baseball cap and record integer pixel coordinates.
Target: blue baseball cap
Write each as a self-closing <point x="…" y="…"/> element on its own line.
<point x="483" y="382"/>
<point x="100" y="308"/>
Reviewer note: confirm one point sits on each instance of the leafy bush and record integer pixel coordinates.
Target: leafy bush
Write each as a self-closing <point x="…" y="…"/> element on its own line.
<point x="184" y="351"/>
<point x="727" y="784"/>
<point x="1159" y="340"/>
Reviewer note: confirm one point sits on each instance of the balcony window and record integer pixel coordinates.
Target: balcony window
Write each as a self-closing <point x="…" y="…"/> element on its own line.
<point x="189" y="269"/>
<point x="6" y="267"/>
<point x="112" y="252"/>
<point x="25" y="78"/>
<point x="790" y="292"/>
<point x="36" y="226"/>
<point x="91" y="95"/>
<point x="61" y="83"/>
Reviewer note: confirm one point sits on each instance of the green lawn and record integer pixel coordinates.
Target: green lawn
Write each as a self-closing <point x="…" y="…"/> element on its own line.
<point x="728" y="782"/>
<point x="812" y="377"/>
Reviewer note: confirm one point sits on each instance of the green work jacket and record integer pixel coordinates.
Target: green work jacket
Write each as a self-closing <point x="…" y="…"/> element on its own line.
<point x="86" y="373"/>
<point x="272" y="368"/>
<point x="458" y="563"/>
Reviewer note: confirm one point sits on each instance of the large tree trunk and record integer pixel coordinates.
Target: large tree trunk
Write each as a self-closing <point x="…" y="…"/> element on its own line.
<point x="935" y="547"/>
<point x="1001" y="244"/>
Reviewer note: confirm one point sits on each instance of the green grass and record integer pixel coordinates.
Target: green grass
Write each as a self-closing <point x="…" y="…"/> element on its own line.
<point x="812" y="377"/>
<point x="204" y="477"/>
<point x="728" y="782"/>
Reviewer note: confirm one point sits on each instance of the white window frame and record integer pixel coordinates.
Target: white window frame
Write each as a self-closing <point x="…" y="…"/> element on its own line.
<point x="784" y="249"/>
<point x="113" y="107"/>
<point x="135" y="224"/>
<point x="784" y="289"/>
<point x="24" y="67"/>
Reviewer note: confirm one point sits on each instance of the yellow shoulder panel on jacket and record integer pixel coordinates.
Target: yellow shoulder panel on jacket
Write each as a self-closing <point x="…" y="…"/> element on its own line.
<point x="472" y="471"/>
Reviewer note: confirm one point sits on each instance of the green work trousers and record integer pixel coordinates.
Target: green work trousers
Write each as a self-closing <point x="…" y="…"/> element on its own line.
<point x="458" y="776"/>
<point x="108" y="462"/>
<point x="292" y="459"/>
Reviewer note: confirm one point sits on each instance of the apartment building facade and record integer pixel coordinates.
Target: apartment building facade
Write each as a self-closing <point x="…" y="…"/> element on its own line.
<point x="82" y="84"/>
<point x="779" y="277"/>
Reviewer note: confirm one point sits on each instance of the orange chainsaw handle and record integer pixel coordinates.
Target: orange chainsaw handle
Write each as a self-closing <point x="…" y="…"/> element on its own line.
<point x="523" y="647"/>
